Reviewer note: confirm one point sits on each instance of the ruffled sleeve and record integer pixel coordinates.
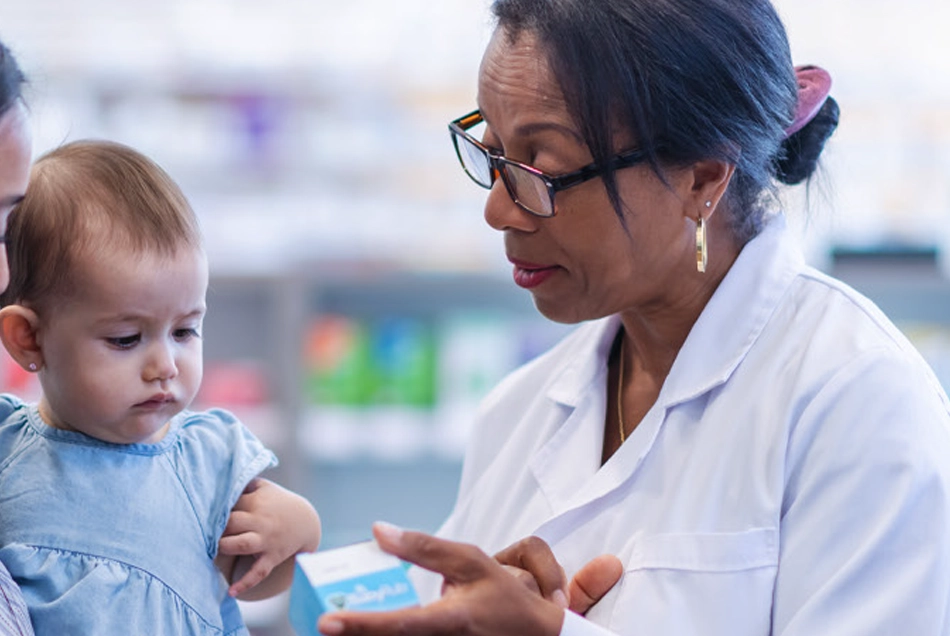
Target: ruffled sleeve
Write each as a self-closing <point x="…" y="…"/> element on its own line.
<point x="215" y="458"/>
<point x="11" y="427"/>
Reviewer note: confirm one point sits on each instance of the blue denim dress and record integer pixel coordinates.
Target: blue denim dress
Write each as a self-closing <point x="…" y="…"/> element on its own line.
<point x="111" y="539"/>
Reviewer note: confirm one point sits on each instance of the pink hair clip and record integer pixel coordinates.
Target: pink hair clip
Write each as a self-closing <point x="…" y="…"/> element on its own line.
<point x="814" y="85"/>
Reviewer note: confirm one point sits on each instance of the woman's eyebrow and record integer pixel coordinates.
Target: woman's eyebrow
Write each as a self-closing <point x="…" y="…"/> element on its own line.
<point x="532" y="128"/>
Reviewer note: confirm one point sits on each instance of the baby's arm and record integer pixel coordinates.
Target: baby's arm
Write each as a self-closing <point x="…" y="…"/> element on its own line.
<point x="267" y="527"/>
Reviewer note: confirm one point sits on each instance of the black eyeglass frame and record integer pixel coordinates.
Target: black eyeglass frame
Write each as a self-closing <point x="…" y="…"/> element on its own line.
<point x="496" y="165"/>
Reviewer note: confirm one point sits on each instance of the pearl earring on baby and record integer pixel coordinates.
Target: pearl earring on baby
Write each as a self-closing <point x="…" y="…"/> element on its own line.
<point x="32" y="366"/>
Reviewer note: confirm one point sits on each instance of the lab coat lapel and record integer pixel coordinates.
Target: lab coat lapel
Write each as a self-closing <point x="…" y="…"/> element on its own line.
<point x="571" y="458"/>
<point x="735" y="315"/>
<point x="568" y="467"/>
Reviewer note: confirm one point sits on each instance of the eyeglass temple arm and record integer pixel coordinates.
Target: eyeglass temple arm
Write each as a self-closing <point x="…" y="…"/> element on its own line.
<point x="467" y="121"/>
<point x="586" y="173"/>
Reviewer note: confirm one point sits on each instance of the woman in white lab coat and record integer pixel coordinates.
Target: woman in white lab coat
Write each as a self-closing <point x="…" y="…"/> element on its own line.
<point x="759" y="449"/>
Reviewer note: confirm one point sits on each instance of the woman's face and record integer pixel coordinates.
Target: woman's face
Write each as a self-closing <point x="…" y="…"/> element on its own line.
<point x="16" y="151"/>
<point x="582" y="263"/>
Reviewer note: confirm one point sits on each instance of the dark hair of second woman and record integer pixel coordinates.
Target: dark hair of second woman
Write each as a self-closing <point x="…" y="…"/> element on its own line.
<point x="11" y="80"/>
<point x="689" y="79"/>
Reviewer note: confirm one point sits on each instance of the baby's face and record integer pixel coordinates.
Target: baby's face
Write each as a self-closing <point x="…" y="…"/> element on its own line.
<point x="123" y="354"/>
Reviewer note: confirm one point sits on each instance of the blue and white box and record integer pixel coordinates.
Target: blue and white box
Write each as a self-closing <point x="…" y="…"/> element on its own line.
<point x="358" y="577"/>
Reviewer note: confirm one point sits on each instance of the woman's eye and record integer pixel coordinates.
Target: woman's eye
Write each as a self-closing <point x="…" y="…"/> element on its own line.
<point x="125" y="342"/>
<point x="186" y="334"/>
<point x="488" y="140"/>
<point x="495" y="150"/>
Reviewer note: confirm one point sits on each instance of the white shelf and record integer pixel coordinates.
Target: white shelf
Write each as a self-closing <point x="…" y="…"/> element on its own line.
<point x="383" y="434"/>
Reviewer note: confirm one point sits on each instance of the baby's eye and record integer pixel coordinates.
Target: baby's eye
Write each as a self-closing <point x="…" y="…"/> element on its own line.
<point x="125" y="342"/>
<point x="186" y="334"/>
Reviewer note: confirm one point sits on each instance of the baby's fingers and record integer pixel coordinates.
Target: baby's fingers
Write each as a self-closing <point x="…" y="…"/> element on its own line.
<point x="258" y="571"/>
<point x="239" y="522"/>
<point x="241" y="544"/>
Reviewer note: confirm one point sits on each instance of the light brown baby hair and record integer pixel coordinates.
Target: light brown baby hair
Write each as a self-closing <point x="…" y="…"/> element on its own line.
<point x="85" y="197"/>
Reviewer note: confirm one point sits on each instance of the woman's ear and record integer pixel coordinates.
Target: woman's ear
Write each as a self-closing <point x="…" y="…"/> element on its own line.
<point x="711" y="177"/>
<point x="18" y="330"/>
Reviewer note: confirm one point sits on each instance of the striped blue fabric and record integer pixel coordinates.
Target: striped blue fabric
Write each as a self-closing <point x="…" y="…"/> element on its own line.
<point x="14" y="618"/>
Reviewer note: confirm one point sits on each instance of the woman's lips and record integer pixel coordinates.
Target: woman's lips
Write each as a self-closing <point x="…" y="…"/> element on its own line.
<point x="529" y="275"/>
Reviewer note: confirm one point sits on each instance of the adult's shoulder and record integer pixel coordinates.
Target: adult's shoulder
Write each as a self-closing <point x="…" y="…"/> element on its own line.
<point x="829" y="316"/>
<point x="866" y="390"/>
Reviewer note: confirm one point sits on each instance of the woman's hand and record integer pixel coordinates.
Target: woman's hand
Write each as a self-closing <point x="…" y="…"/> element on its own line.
<point x="267" y="527"/>
<point x="480" y="596"/>
<point x="532" y="561"/>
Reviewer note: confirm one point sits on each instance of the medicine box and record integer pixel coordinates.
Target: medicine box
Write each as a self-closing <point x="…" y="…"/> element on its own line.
<point x="358" y="577"/>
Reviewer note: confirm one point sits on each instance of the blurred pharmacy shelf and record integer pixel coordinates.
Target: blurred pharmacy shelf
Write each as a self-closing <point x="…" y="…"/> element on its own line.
<point x="364" y="378"/>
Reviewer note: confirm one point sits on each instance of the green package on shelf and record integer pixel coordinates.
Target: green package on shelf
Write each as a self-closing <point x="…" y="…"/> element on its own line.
<point x="403" y="360"/>
<point x="338" y="369"/>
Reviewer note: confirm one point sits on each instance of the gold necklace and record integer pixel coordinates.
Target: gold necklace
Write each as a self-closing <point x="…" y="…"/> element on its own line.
<point x="623" y="436"/>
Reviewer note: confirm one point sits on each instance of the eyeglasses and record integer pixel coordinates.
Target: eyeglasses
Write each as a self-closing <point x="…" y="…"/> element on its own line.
<point x="532" y="190"/>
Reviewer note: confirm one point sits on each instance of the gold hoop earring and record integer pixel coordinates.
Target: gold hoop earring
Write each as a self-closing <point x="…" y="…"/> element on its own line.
<point x="701" y="252"/>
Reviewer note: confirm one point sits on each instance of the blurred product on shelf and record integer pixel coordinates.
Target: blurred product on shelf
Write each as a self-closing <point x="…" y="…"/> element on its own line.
<point x="236" y="383"/>
<point x="402" y="351"/>
<point x="353" y="362"/>
<point x="399" y="387"/>
<point x="241" y="386"/>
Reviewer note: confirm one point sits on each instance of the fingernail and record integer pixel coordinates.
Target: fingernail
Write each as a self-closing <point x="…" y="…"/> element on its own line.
<point x="560" y="599"/>
<point x="391" y="533"/>
<point x="331" y="626"/>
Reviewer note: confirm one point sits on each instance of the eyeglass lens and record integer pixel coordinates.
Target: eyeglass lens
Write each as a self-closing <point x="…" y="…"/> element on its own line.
<point x="474" y="160"/>
<point x="528" y="189"/>
<point x="525" y="187"/>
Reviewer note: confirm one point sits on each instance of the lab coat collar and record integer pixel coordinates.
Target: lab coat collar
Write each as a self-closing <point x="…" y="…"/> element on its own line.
<point x="726" y="329"/>
<point x="570" y="386"/>
<point x="735" y="315"/>
<point x="717" y="343"/>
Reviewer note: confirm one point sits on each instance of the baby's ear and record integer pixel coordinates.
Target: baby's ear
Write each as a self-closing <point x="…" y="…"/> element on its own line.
<point x="18" y="331"/>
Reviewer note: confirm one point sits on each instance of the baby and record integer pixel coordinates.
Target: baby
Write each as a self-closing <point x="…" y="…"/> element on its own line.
<point x="113" y="496"/>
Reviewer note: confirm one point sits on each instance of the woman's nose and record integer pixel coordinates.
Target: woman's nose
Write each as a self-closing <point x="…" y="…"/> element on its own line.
<point x="502" y="213"/>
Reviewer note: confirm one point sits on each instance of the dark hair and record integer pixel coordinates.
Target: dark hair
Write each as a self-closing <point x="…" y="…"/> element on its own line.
<point x="690" y="79"/>
<point x="11" y="80"/>
<point x="84" y="197"/>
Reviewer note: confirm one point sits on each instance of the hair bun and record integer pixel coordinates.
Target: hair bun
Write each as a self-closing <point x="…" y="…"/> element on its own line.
<point x="799" y="153"/>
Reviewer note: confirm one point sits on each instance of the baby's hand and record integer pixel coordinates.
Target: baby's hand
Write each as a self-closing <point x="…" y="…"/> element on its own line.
<point x="267" y="527"/>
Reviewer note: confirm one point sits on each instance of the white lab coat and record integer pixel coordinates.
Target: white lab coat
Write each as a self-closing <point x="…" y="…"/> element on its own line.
<point x="793" y="477"/>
